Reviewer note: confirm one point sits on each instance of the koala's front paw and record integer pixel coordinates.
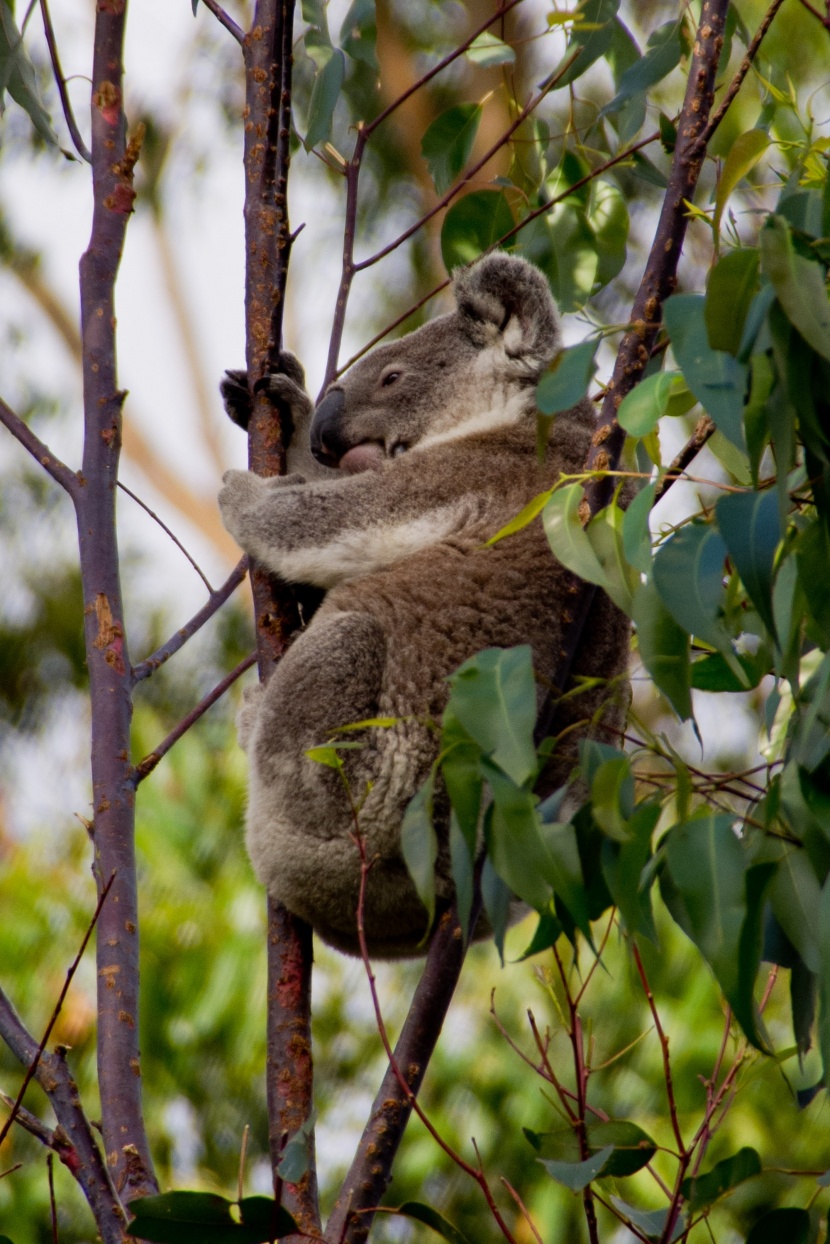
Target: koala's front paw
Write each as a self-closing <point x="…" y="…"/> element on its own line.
<point x="283" y="390"/>
<point x="241" y="493"/>
<point x="285" y="384"/>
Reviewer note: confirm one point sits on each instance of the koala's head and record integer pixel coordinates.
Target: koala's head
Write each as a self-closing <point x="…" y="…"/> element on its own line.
<point x="471" y="371"/>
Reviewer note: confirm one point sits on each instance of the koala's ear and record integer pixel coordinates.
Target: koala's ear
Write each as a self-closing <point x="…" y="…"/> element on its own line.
<point x="503" y="297"/>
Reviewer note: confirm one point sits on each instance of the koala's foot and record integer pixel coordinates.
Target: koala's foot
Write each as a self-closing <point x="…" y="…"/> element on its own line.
<point x="247" y="716"/>
<point x="286" y="386"/>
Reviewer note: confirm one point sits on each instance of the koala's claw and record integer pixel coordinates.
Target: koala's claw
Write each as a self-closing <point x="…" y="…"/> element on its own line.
<point x="237" y="399"/>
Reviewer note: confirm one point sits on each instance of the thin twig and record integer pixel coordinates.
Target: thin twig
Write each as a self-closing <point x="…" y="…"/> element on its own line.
<point x="56" y="1010"/>
<point x="42" y="453"/>
<point x="29" y="1122"/>
<point x="148" y="764"/>
<point x="404" y="1082"/>
<point x="703" y="430"/>
<point x="664" y="1046"/>
<point x="177" y="641"/>
<point x="523" y="1208"/>
<point x="168" y="532"/>
<point x="743" y="69"/>
<point x="53" y="1208"/>
<point x="72" y="1139"/>
<point x="75" y="134"/>
<point x="225" y="19"/>
<point x="526" y="220"/>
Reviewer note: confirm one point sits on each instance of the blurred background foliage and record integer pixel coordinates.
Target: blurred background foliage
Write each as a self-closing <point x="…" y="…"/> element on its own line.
<point x="203" y="969"/>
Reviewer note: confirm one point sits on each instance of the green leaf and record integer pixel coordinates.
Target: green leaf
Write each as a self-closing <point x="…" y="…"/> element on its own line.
<point x="447" y="144"/>
<point x="486" y="50"/>
<point x="514" y="842"/>
<point x="792" y="1225"/>
<point x="795" y="895"/>
<point x="623" y="864"/>
<point x="612" y="797"/>
<point x="650" y="400"/>
<point x="546" y="935"/>
<point x="688" y="574"/>
<point x="324" y="96"/>
<point x="325" y="755"/>
<point x="663" y="648"/>
<point x="461" y="867"/>
<point x="824" y="977"/>
<point x="663" y="54"/>
<point x="474" y="224"/>
<point x="812" y="551"/>
<point x="565" y="871"/>
<point x="493" y="696"/>
<point x="712" y="673"/>
<point x="566" y="381"/>
<point x="799" y="285"/>
<point x="717" y="380"/>
<point x="567" y="537"/>
<point x="577" y="1175"/>
<point x="721" y="899"/>
<point x="591" y="38"/>
<point x="652" y="1223"/>
<point x="204" y="1218"/>
<point x="605" y="535"/>
<point x="495" y="896"/>
<point x="609" y="221"/>
<point x="751" y="527"/>
<point x="743" y="155"/>
<point x="19" y="77"/>
<point x="358" y="34"/>
<point x="730" y="288"/>
<point x="419" y="844"/>
<point x="295" y="1156"/>
<point x="633" y="1148"/>
<point x="431" y="1218"/>
<point x="636" y="531"/>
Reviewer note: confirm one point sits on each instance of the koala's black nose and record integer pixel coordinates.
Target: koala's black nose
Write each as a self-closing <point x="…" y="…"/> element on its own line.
<point x="328" y="443"/>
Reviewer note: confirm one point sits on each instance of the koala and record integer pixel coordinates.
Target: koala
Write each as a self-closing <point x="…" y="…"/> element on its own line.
<point x="420" y="453"/>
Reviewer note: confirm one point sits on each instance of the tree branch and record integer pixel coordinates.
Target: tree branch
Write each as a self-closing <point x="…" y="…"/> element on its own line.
<point x="21" y="431"/>
<point x="75" y="133"/>
<point x="73" y="1140"/>
<point x="148" y="764"/>
<point x="113" y="160"/>
<point x="268" y="63"/>
<point x="224" y="19"/>
<point x="743" y="70"/>
<point x="145" y="507"/>
<point x="73" y="967"/>
<point x="658" y="281"/>
<point x="214" y="602"/>
<point x="703" y="430"/>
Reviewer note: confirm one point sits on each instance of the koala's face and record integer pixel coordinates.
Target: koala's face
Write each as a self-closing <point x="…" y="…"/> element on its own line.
<point x="470" y="371"/>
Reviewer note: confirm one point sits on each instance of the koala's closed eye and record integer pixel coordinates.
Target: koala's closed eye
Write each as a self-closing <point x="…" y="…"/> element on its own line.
<point x="390" y="378"/>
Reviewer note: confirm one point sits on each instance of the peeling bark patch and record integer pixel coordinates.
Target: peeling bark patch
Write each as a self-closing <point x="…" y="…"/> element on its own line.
<point x="126" y="1018"/>
<point x="109" y="974"/>
<point x="110" y="637"/>
<point x="121" y="200"/>
<point x="107" y="99"/>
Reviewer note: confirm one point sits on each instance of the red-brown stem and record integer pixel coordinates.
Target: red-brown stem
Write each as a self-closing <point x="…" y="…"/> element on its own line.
<point x="56" y="1010"/>
<point x="664" y="1047"/>
<point x="73" y="1141"/>
<point x="369" y="1175"/>
<point x="214" y="602"/>
<point x="53" y="1208"/>
<point x="119" y="1074"/>
<point x="267" y="54"/>
<point x="147" y="510"/>
<point x="148" y="764"/>
<point x="581" y="1077"/>
<point x="743" y="69"/>
<point x="524" y="1210"/>
<point x="703" y="430"/>
<point x="75" y="133"/>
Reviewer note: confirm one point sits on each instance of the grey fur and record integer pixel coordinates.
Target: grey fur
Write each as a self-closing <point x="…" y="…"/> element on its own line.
<point x="412" y="591"/>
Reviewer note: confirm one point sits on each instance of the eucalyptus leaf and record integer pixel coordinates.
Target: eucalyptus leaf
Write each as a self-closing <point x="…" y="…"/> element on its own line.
<point x="743" y="155"/>
<point x="577" y="1175"/>
<point x="717" y="380"/>
<point x="19" y="77"/>
<point x="205" y="1218"/>
<point x="566" y="381"/>
<point x="567" y="537"/>
<point x="448" y="141"/>
<point x="799" y="285"/>
<point x="792" y="1225"/>
<point x="493" y="696"/>
<point x="295" y="1156"/>
<point x="751" y="527"/>
<point x="431" y="1218"/>
<point x="592" y="36"/>
<point x="487" y="50"/>
<point x="662" y="55"/>
<point x="324" y="96"/>
<point x="688" y="574"/>
<point x="730" y="289"/>
<point x="474" y="224"/>
<point x="419" y="844"/>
